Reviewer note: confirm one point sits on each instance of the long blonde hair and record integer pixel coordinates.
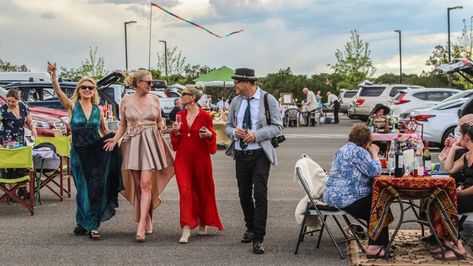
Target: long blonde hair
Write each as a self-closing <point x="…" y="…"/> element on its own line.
<point x="76" y="96"/>
<point x="132" y="79"/>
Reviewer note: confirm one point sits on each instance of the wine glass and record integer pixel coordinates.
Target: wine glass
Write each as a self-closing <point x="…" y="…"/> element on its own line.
<point x="179" y="121"/>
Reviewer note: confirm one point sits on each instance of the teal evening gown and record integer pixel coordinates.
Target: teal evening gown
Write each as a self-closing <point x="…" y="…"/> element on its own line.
<point x="96" y="173"/>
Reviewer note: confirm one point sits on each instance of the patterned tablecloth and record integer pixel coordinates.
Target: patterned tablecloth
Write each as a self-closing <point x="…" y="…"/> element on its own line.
<point x="392" y="136"/>
<point x="442" y="190"/>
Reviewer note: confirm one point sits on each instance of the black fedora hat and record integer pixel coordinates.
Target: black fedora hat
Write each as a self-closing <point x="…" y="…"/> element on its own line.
<point x="244" y="74"/>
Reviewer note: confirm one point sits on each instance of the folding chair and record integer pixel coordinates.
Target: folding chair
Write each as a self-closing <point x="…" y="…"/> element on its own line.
<point x="291" y="117"/>
<point x="54" y="180"/>
<point x="463" y="218"/>
<point x="323" y="211"/>
<point x="18" y="158"/>
<point x="315" y="116"/>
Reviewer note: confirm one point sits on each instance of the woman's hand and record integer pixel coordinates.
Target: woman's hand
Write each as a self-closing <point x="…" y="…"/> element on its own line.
<point x="110" y="144"/>
<point x="52" y="68"/>
<point x="205" y="133"/>
<point x="457" y="146"/>
<point x="374" y="149"/>
<point x="176" y="127"/>
<point x="34" y="133"/>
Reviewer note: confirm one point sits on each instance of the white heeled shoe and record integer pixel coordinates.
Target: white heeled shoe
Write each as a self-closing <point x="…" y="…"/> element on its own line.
<point x="186" y="233"/>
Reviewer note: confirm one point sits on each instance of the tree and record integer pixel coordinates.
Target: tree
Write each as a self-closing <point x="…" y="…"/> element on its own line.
<point x="354" y="63"/>
<point x="9" y="67"/>
<point x="175" y="64"/>
<point x="93" y="66"/>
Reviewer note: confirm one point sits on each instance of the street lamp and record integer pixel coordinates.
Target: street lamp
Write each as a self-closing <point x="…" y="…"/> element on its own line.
<point x="448" y="25"/>
<point x="449" y="51"/>
<point x="165" y="58"/>
<point x="400" y="56"/>
<point x="126" y="47"/>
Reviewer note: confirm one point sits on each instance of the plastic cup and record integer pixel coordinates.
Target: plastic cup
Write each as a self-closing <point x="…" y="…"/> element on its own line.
<point x="384" y="163"/>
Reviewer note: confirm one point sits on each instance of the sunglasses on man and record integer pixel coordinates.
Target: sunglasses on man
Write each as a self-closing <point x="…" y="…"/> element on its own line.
<point x="84" y="87"/>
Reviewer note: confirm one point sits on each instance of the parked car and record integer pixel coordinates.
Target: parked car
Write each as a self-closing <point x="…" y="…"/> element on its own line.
<point x="346" y="97"/>
<point x="438" y="121"/>
<point x="45" y="123"/>
<point x="9" y="77"/>
<point x="370" y="95"/>
<point x="42" y="93"/>
<point x="410" y="99"/>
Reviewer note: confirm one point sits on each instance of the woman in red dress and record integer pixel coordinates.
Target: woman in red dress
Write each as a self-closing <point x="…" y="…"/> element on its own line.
<point x="194" y="139"/>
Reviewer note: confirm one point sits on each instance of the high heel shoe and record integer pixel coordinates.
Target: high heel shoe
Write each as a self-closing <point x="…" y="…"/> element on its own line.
<point x="139" y="239"/>
<point x="202" y="230"/>
<point x="186" y="233"/>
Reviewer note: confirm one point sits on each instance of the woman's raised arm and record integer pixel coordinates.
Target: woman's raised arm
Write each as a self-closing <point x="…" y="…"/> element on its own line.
<point x="65" y="101"/>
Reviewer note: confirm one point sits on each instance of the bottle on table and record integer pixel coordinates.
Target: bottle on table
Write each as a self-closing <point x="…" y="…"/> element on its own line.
<point x="398" y="161"/>
<point x="426" y="157"/>
<point x="391" y="163"/>
<point x="418" y="162"/>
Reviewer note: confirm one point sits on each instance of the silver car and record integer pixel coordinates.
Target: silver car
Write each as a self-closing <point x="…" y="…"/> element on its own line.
<point x="439" y="121"/>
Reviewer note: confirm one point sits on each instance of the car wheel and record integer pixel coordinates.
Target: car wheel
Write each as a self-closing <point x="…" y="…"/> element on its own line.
<point x="363" y="118"/>
<point x="445" y="135"/>
<point x="351" y="116"/>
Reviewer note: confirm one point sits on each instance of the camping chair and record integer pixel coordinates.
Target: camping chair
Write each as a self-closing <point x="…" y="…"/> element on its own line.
<point x="315" y="117"/>
<point x="18" y="158"/>
<point x="53" y="179"/>
<point x="463" y="218"/>
<point x="322" y="211"/>
<point x="291" y="117"/>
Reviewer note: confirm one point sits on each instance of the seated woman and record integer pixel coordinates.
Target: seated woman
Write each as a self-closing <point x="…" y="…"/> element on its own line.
<point x="349" y="183"/>
<point x="378" y="117"/>
<point x="465" y="164"/>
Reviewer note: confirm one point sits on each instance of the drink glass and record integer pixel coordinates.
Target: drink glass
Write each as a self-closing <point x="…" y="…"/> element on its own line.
<point x="179" y="121"/>
<point x="384" y="163"/>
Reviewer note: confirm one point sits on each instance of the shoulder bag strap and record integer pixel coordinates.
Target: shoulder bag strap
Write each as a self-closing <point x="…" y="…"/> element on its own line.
<point x="266" y="109"/>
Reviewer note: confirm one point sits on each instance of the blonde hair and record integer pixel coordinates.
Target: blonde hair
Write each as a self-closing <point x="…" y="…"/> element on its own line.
<point x="195" y="90"/>
<point x="76" y="96"/>
<point x="132" y="79"/>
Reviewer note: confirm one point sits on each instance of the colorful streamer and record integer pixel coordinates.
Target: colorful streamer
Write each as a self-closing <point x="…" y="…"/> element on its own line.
<point x="197" y="25"/>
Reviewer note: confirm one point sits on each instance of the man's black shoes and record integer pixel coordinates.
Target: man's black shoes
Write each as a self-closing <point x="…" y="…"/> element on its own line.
<point x="258" y="247"/>
<point x="248" y="236"/>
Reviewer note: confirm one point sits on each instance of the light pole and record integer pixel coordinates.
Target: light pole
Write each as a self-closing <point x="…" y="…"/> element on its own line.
<point x="400" y="56"/>
<point x="165" y="58"/>
<point x="126" y="47"/>
<point x="448" y="25"/>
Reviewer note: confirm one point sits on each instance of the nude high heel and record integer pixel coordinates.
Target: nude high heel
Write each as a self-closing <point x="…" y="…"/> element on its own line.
<point x="186" y="233"/>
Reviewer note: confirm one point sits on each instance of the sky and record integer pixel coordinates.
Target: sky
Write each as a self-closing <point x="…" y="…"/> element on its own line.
<point x="301" y="34"/>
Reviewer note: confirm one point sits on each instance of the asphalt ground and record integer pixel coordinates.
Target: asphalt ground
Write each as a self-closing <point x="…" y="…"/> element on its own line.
<point x="47" y="239"/>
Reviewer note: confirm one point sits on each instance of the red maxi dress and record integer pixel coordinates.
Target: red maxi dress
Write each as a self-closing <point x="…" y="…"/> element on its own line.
<point x="193" y="168"/>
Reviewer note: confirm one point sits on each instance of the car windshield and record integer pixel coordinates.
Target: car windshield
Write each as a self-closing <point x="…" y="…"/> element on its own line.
<point x="449" y="104"/>
<point x="371" y="91"/>
<point x="463" y="94"/>
<point x="349" y="94"/>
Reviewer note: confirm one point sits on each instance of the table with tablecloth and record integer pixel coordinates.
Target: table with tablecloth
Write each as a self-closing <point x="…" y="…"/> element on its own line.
<point x="440" y="190"/>
<point x="393" y="136"/>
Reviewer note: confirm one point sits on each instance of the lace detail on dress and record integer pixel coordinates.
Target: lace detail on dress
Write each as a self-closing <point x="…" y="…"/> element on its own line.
<point x="136" y="129"/>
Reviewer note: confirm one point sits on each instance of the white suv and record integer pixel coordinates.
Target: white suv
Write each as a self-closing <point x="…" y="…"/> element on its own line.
<point x="411" y="99"/>
<point x="370" y="95"/>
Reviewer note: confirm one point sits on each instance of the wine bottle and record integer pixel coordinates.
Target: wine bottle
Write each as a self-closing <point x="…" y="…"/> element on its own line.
<point x="391" y="163"/>
<point x="398" y="161"/>
<point x="426" y="157"/>
<point x="418" y="162"/>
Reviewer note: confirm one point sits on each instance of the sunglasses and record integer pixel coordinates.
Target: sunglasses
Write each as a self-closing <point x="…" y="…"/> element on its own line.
<point x="90" y="88"/>
<point x="186" y="93"/>
<point x="149" y="82"/>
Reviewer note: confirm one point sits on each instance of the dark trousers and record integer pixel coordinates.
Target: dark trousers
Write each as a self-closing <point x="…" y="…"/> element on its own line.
<point x="252" y="172"/>
<point x="361" y="210"/>
<point x="336" y="108"/>
<point x="465" y="204"/>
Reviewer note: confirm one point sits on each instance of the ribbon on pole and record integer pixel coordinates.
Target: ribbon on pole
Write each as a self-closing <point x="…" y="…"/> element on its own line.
<point x="197" y="25"/>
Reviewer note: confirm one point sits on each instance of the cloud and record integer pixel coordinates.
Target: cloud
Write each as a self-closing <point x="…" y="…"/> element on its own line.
<point x="166" y="3"/>
<point x="48" y="15"/>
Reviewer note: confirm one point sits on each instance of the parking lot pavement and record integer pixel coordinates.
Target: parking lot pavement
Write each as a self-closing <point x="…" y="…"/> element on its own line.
<point x="46" y="238"/>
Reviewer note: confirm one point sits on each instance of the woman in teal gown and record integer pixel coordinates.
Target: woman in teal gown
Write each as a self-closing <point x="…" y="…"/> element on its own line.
<point x="96" y="172"/>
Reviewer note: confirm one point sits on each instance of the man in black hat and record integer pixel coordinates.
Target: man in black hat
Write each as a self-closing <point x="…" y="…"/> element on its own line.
<point x="252" y="150"/>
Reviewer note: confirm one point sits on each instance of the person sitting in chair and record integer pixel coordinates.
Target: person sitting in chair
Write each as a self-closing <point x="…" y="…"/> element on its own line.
<point x="349" y="182"/>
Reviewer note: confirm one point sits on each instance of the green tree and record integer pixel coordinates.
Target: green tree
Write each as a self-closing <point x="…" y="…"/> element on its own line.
<point x="354" y="63"/>
<point x="6" y="66"/>
<point x="93" y="66"/>
<point x="176" y="63"/>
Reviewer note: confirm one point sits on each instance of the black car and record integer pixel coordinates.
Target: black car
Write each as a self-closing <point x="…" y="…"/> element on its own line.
<point x="42" y="93"/>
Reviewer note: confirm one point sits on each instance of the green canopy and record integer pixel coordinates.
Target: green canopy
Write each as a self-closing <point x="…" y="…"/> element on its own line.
<point x="223" y="74"/>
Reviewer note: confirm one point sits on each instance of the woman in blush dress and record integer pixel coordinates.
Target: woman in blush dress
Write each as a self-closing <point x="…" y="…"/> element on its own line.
<point x="148" y="164"/>
<point x="194" y="140"/>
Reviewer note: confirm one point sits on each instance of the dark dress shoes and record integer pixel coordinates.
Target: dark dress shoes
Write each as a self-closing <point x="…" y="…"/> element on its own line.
<point x="258" y="247"/>
<point x="247" y="237"/>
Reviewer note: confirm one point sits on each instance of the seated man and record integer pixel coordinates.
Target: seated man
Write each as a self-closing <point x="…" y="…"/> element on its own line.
<point x="349" y="183"/>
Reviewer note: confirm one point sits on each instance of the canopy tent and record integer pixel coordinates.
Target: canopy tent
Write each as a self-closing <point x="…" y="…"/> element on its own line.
<point x="221" y="77"/>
